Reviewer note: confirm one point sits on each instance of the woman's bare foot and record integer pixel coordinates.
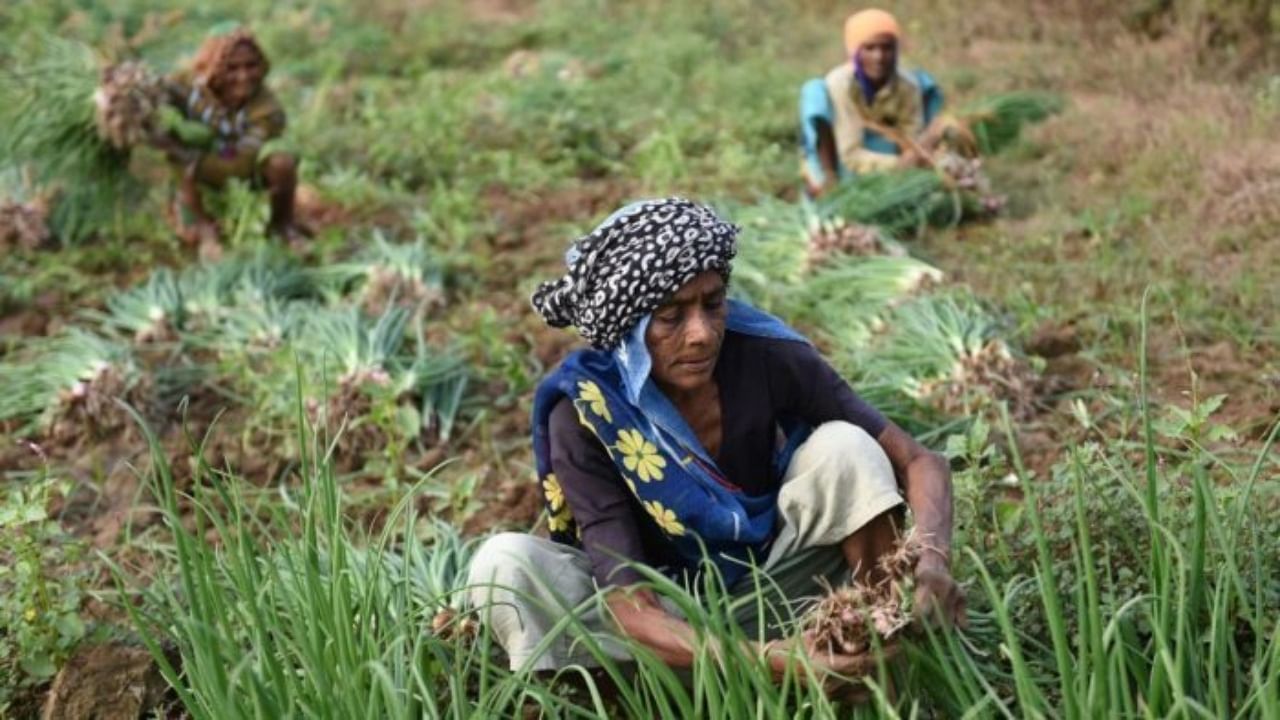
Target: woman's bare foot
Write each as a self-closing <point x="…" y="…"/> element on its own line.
<point x="209" y="238"/>
<point x="210" y="251"/>
<point x="294" y="234"/>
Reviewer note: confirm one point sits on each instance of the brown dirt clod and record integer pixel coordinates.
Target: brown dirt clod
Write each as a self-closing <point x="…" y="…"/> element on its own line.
<point x="106" y="682"/>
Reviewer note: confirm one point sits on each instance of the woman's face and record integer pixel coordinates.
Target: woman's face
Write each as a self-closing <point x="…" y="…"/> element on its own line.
<point x="878" y="56"/>
<point x="685" y="333"/>
<point x="241" y="76"/>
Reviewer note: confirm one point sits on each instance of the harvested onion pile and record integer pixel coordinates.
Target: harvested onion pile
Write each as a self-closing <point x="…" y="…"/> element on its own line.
<point x="351" y="403"/>
<point x="24" y="225"/>
<point x="850" y="618"/>
<point x="388" y="285"/>
<point x="125" y="104"/>
<point x="992" y="372"/>
<point x="90" y="403"/>
<point x="966" y="174"/>
<point x="834" y="237"/>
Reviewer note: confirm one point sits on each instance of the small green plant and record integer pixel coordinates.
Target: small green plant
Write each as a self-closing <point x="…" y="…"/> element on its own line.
<point x="40" y="589"/>
<point x="488" y="343"/>
<point x="1194" y="424"/>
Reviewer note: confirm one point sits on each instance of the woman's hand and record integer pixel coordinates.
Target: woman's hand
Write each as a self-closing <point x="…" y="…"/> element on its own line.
<point x="836" y="670"/>
<point x="818" y="189"/>
<point x="910" y="158"/>
<point x="174" y="150"/>
<point x="938" y="598"/>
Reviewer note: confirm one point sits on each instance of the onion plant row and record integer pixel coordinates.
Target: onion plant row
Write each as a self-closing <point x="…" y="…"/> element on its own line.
<point x="238" y="331"/>
<point x="303" y="614"/>
<point x="923" y="351"/>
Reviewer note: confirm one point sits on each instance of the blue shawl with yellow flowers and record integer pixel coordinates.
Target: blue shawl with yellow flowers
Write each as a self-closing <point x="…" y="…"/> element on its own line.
<point x="656" y="453"/>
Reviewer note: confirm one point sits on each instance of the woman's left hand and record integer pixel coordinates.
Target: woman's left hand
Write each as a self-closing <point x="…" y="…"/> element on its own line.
<point x="938" y="598"/>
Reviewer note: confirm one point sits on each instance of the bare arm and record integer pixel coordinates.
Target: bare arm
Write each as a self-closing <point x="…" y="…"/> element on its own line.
<point x="925" y="478"/>
<point x="641" y="618"/>
<point x="826" y="156"/>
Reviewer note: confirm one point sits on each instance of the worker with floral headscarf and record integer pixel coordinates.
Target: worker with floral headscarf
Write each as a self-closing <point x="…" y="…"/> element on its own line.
<point x="868" y="114"/>
<point x="697" y="435"/>
<point x="230" y="115"/>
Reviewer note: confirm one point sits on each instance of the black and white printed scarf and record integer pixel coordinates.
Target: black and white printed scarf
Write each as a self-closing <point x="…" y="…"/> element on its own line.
<point x="633" y="262"/>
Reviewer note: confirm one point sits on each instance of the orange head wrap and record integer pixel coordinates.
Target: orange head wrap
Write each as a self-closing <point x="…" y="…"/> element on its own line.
<point x="864" y="25"/>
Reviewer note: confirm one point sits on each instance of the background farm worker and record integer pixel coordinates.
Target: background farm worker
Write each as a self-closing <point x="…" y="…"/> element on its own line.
<point x="230" y="115"/>
<point x="867" y="114"/>
<point x="666" y="435"/>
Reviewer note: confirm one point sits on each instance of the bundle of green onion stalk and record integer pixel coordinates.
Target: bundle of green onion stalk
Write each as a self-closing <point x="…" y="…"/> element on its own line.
<point x="65" y="388"/>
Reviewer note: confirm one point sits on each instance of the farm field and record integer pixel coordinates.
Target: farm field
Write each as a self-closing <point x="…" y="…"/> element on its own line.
<point x="249" y="486"/>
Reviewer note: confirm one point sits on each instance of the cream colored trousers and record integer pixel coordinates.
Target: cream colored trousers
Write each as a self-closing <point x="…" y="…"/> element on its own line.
<point x="539" y="600"/>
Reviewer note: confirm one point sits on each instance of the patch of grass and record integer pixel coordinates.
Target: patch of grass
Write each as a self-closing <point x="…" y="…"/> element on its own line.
<point x="1121" y="584"/>
<point x="40" y="592"/>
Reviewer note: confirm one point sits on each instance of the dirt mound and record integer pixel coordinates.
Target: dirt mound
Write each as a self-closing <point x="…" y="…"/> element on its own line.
<point x="106" y="682"/>
<point x="515" y="505"/>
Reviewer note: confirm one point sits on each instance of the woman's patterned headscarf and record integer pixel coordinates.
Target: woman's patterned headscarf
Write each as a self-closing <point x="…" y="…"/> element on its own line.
<point x="633" y="262"/>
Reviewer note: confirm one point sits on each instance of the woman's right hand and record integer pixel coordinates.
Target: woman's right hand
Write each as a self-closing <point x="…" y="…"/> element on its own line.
<point x="837" y="668"/>
<point x="173" y="149"/>
<point x="911" y="159"/>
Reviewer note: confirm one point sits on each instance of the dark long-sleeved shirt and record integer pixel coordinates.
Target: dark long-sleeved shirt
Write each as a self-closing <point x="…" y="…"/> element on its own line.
<point x="761" y="381"/>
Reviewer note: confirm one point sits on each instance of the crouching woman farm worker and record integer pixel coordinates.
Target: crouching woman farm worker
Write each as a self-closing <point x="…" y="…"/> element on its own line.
<point x="867" y="114"/>
<point x="230" y="116"/>
<point x="669" y="432"/>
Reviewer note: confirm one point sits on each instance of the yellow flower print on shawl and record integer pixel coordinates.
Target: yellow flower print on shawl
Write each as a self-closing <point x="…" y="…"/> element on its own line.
<point x="561" y="518"/>
<point x="640" y="456"/>
<point x="560" y="521"/>
<point x="553" y="492"/>
<point x="665" y="517"/>
<point x="589" y="393"/>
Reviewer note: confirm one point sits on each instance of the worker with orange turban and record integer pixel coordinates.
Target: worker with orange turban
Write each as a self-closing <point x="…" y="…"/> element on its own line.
<point x="868" y="114"/>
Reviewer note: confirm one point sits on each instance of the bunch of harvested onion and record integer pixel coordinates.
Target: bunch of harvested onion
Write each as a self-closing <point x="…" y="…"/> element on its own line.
<point x="833" y="237"/>
<point x="966" y="174"/>
<point x="852" y="619"/>
<point x="152" y="312"/>
<point x="991" y="373"/>
<point x="125" y="104"/>
<point x="946" y="350"/>
<point x="449" y="624"/>
<point x="65" y="388"/>
<point x="51" y="129"/>
<point x="24" y="224"/>
<point x="404" y="274"/>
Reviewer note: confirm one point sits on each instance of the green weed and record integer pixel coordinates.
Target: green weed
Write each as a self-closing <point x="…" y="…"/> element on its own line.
<point x="40" y="588"/>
